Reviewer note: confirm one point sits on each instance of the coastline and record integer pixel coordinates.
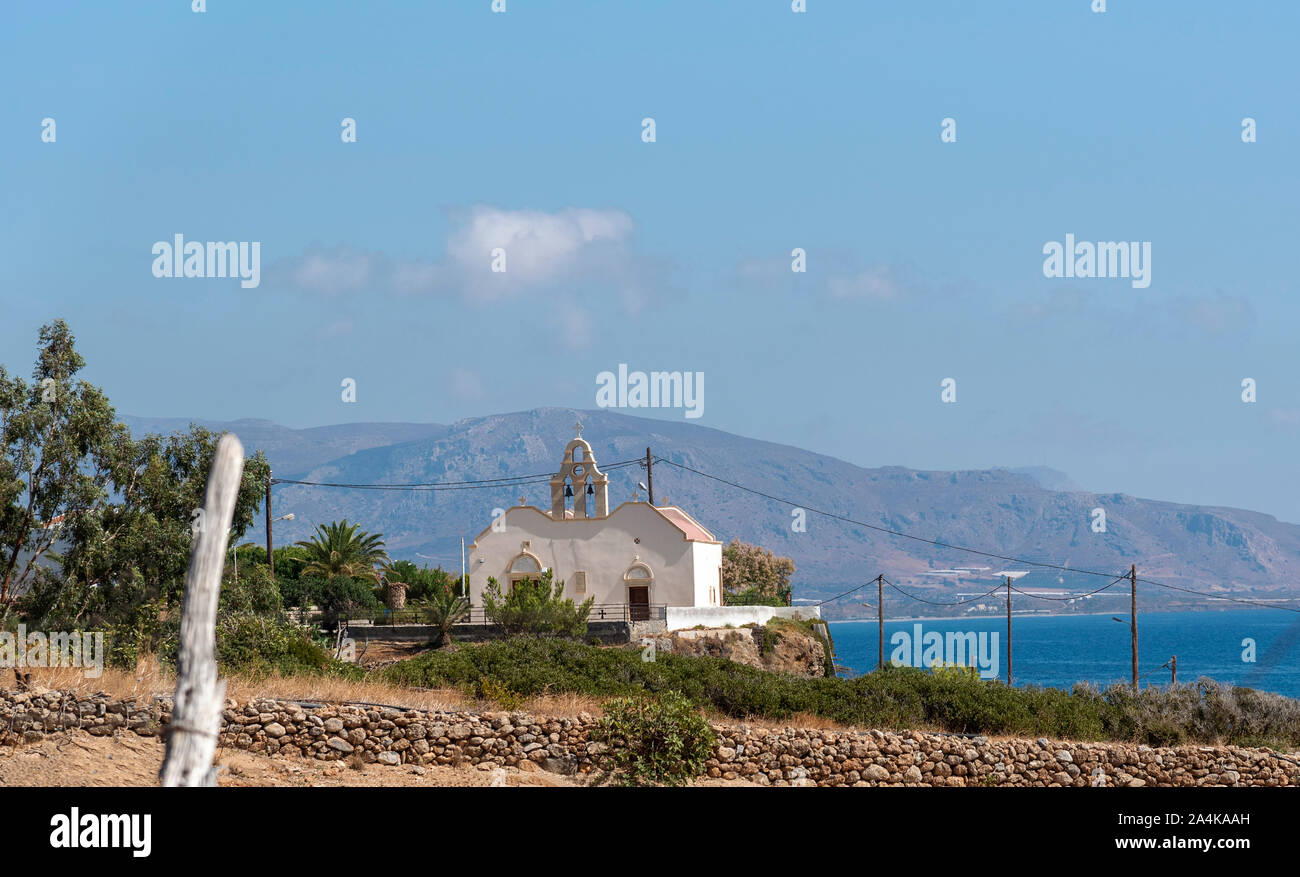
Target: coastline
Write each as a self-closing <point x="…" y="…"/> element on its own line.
<point x="1018" y="615"/>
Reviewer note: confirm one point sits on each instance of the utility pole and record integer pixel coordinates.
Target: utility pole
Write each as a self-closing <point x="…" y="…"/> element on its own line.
<point x="650" y="475"/>
<point x="1133" y="619"/>
<point x="880" y="614"/>
<point x="1008" y="630"/>
<point x="270" y="555"/>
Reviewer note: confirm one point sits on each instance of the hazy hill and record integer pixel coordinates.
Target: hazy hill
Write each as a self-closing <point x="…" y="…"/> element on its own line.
<point x="1005" y="511"/>
<point x="297" y="450"/>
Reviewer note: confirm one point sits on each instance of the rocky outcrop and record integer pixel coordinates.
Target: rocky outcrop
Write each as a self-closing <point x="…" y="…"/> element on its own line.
<point x="780" y="757"/>
<point x="780" y="648"/>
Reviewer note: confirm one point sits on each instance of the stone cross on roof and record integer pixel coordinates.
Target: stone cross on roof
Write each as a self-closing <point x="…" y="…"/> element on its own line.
<point x="577" y="426"/>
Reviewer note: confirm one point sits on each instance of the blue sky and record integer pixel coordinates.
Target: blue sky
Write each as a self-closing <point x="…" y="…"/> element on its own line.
<point x="774" y="130"/>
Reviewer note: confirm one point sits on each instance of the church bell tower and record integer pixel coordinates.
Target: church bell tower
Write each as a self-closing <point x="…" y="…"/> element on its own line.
<point x="580" y="479"/>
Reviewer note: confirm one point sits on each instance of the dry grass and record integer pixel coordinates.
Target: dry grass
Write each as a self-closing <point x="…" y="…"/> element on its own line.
<point x="563" y="705"/>
<point x="819" y="723"/>
<point x="148" y="679"/>
<point x="151" y="679"/>
<point x="325" y="689"/>
<point x="797" y="720"/>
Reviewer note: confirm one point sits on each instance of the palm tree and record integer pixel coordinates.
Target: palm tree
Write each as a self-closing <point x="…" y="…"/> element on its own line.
<point x="444" y="610"/>
<point x="343" y="549"/>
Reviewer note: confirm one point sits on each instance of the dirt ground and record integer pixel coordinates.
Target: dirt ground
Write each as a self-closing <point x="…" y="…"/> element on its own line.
<point x="75" y="758"/>
<point x="381" y="653"/>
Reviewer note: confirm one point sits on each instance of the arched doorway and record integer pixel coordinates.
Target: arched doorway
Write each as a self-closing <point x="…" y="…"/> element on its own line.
<point x="639" y="581"/>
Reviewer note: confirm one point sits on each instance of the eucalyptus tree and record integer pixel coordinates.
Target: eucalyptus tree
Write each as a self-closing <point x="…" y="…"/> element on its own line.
<point x="57" y="437"/>
<point x="96" y="526"/>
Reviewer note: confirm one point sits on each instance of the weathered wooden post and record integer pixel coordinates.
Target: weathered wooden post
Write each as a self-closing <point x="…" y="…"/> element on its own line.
<point x="880" y="617"/>
<point x="1009" y="630"/>
<point x="200" y="695"/>
<point x="1133" y="620"/>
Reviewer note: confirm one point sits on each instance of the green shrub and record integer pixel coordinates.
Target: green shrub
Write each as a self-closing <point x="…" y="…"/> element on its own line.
<point x="443" y="608"/>
<point x="255" y="645"/>
<point x="128" y="642"/>
<point x="254" y="589"/>
<point x="422" y="583"/>
<point x="754" y="597"/>
<point x="340" y="596"/>
<point x="659" y="740"/>
<point x="498" y="693"/>
<point x="537" y="607"/>
<point x="897" y="698"/>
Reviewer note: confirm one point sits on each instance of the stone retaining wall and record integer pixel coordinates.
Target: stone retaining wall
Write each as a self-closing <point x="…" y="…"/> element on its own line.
<point x="608" y="632"/>
<point x="789" y="757"/>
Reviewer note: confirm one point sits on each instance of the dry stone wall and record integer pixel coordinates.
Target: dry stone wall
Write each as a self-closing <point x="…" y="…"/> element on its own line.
<point x="780" y="757"/>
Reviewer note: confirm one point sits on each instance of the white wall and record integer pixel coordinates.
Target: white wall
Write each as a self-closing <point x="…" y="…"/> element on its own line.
<point x="708" y="573"/>
<point x="605" y="548"/>
<point x="686" y="617"/>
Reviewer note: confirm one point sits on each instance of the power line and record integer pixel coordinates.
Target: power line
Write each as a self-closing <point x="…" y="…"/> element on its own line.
<point x="990" y="554"/>
<point x="846" y="593"/>
<point x="525" y="480"/>
<point x="1247" y="602"/>
<point x="1164" y="666"/>
<point x="507" y="481"/>
<point x="880" y="529"/>
<point x="938" y="603"/>
<point x="1068" y="598"/>
<point x="411" y="487"/>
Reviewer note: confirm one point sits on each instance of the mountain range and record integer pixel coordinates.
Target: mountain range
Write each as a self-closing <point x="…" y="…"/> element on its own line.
<point x="1031" y="513"/>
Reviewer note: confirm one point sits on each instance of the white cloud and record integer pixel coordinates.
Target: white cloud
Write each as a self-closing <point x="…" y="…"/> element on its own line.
<point x="415" y="277"/>
<point x="539" y="247"/>
<point x="835" y="273"/>
<point x="334" y="270"/>
<point x="1059" y="302"/>
<point x="878" y="283"/>
<point x="573" y="245"/>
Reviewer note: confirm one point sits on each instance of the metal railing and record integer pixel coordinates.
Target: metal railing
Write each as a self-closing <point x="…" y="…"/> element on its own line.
<point x="477" y="615"/>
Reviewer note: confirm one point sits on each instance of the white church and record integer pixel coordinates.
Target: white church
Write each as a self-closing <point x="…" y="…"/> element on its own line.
<point x="638" y="555"/>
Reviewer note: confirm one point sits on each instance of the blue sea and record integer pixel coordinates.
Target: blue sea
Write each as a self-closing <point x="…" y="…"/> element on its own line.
<point x="1058" y="651"/>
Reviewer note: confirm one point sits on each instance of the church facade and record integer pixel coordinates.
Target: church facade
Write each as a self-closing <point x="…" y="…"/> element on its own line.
<point x="637" y="555"/>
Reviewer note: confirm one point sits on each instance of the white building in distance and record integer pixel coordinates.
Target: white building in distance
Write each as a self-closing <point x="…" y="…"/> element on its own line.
<point x="638" y="555"/>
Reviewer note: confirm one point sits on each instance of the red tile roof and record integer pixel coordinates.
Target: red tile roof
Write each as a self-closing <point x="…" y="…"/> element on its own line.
<point x="693" y="529"/>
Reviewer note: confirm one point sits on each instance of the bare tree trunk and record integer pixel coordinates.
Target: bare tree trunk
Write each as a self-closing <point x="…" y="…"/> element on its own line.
<point x="200" y="696"/>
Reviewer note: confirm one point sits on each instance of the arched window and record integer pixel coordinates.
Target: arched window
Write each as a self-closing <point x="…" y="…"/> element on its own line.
<point x="525" y="566"/>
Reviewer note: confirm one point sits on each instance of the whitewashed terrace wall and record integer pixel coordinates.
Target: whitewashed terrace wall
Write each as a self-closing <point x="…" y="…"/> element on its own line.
<point x="686" y="617"/>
